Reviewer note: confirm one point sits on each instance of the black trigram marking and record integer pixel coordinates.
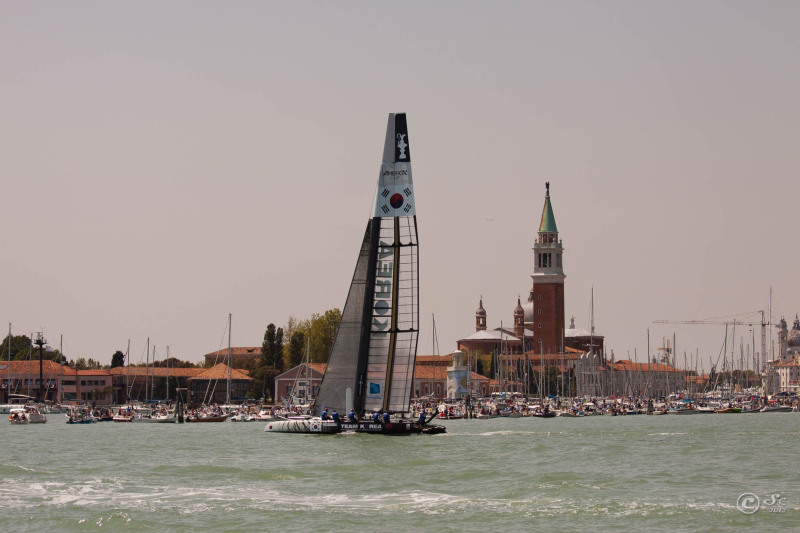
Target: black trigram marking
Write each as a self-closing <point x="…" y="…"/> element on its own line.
<point x="384" y="209"/>
<point x="407" y="191"/>
<point x="407" y="208"/>
<point x="385" y="193"/>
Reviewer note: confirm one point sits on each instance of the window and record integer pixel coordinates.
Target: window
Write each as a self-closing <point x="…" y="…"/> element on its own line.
<point x="539" y="325"/>
<point x="540" y="311"/>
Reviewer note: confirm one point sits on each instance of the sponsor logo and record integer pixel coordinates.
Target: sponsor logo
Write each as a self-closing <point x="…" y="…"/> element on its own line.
<point x="402" y="145"/>
<point x="395" y="173"/>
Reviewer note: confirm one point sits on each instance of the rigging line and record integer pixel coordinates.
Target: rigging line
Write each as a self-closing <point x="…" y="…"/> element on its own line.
<point x="216" y="359"/>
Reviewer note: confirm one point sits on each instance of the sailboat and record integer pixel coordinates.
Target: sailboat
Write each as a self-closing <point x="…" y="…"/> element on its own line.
<point x="371" y="366"/>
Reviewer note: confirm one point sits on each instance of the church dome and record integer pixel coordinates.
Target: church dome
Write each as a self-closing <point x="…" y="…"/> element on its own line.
<point x="518" y="309"/>
<point x="794" y="334"/>
<point x="527" y="309"/>
<point x="480" y="311"/>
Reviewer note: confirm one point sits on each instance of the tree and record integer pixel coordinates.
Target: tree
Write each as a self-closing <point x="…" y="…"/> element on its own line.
<point x="22" y="349"/>
<point x="479" y="366"/>
<point x="296" y="348"/>
<point x="118" y="359"/>
<point x="84" y="364"/>
<point x="322" y="332"/>
<point x="272" y="348"/>
<point x="174" y="362"/>
<point x="270" y="363"/>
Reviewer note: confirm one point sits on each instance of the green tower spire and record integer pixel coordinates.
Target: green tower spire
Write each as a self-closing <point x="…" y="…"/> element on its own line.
<point x="548" y="224"/>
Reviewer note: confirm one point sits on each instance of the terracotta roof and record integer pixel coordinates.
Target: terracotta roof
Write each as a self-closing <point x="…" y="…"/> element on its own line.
<point x="439" y="372"/>
<point x="236" y="351"/>
<point x="434" y="359"/>
<point x="319" y="367"/>
<point x="630" y="366"/>
<point x="48" y="367"/>
<point x="157" y="371"/>
<point x="96" y="372"/>
<point x="220" y="371"/>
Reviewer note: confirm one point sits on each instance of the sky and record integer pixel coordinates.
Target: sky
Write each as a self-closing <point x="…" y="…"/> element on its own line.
<point x="166" y="164"/>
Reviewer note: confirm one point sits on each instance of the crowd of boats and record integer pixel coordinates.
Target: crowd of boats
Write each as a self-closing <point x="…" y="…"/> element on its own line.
<point x="512" y="406"/>
<point x="517" y="406"/>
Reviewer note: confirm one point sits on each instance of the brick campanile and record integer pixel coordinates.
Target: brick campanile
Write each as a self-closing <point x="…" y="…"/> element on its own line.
<point x="547" y="293"/>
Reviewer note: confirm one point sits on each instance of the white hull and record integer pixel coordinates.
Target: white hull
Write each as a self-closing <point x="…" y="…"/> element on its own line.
<point x="302" y="425"/>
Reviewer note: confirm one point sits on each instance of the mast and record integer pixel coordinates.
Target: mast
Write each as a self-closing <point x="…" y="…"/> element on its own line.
<point x="8" y="374"/>
<point x="147" y="373"/>
<point x="375" y="349"/>
<point x="127" y="373"/>
<point x="228" y="387"/>
<point x="166" y="396"/>
<point x="60" y="367"/>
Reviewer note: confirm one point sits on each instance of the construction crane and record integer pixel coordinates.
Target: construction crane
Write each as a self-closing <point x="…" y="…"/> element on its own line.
<point x="734" y="322"/>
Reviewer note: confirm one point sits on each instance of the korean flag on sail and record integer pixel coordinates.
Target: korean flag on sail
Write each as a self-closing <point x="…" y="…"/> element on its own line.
<point x="395" y="197"/>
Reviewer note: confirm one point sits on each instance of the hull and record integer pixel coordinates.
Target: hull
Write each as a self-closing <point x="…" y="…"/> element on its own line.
<point x="221" y="418"/>
<point x="777" y="409"/>
<point x="321" y="427"/>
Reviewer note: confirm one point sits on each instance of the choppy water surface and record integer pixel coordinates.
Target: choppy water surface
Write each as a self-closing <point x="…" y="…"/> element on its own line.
<point x="635" y="473"/>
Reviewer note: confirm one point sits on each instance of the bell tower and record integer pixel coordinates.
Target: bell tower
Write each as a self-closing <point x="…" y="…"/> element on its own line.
<point x="547" y="293"/>
<point x="519" y="320"/>
<point x="480" y="317"/>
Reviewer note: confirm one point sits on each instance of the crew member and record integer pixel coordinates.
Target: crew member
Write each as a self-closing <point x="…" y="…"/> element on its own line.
<point x="351" y="415"/>
<point x="335" y="416"/>
<point x="324" y="415"/>
<point x="376" y="417"/>
<point x="386" y="417"/>
<point x="421" y="417"/>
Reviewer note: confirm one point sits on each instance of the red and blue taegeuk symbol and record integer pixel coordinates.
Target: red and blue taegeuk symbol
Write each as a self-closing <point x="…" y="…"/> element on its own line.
<point x="396" y="200"/>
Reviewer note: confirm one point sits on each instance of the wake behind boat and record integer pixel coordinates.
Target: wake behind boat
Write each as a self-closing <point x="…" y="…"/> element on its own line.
<point x="371" y="366"/>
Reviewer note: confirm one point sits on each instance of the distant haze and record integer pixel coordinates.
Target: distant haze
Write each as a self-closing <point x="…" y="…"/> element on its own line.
<point x="165" y="164"/>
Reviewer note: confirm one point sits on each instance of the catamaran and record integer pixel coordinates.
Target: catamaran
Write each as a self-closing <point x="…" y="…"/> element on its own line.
<point x="371" y="366"/>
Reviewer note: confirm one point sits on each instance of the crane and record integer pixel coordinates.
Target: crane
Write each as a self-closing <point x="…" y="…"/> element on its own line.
<point x="734" y="322"/>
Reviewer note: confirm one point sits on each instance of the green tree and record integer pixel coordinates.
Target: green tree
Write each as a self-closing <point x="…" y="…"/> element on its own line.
<point x="20" y="347"/>
<point x="322" y="332"/>
<point x="118" y="359"/>
<point x="270" y="363"/>
<point x="272" y="348"/>
<point x="296" y="348"/>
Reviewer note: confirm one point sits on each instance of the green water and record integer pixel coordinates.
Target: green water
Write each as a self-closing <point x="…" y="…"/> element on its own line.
<point x="635" y="473"/>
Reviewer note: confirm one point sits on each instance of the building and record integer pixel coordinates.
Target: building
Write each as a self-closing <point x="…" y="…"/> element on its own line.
<point x="241" y="357"/>
<point x="538" y="325"/>
<point x="300" y="383"/>
<point x="626" y="378"/>
<point x="210" y="385"/>
<point x="787" y="376"/>
<point x="22" y="377"/>
<point x="148" y="383"/>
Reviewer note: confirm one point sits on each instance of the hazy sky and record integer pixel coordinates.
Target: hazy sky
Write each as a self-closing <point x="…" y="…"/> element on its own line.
<point x="167" y="163"/>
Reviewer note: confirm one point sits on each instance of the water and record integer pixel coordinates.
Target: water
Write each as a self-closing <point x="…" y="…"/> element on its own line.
<point x="635" y="473"/>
